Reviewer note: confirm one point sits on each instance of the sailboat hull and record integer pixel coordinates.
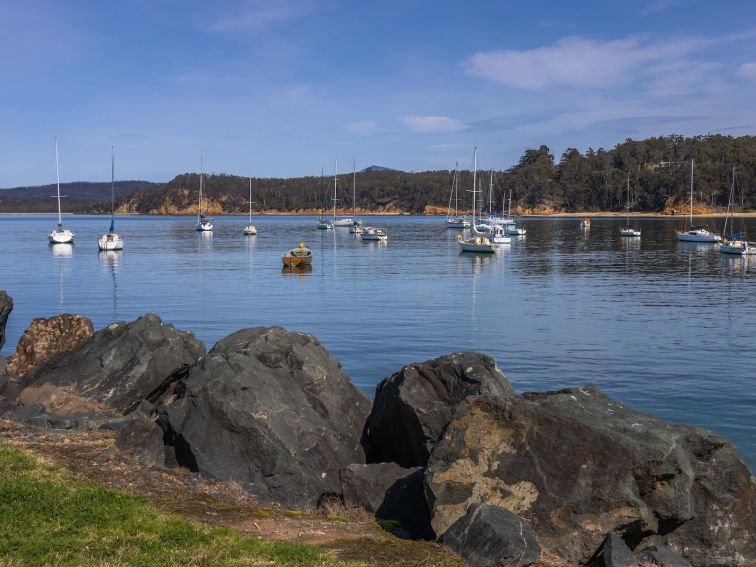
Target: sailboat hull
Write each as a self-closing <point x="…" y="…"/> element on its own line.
<point x="698" y="236"/>
<point x="110" y="242"/>
<point x="343" y="223"/>
<point x="61" y="236"/>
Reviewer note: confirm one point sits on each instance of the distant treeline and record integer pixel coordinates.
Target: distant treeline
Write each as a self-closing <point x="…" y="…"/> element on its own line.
<point x="79" y="196"/>
<point x="658" y="170"/>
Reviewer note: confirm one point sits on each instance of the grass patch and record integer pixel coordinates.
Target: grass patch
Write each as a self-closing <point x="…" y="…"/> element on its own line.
<point x="388" y="525"/>
<point x="47" y="518"/>
<point x="294" y="513"/>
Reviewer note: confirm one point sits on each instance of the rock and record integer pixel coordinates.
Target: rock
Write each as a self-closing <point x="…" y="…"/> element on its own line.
<point x="116" y="424"/>
<point x="663" y="557"/>
<point x="117" y="368"/>
<point x="392" y="493"/>
<point x="45" y="339"/>
<point x="272" y="410"/>
<point x="576" y="465"/>
<point x="142" y="439"/>
<point x="25" y="413"/>
<point x="3" y="377"/>
<point x="54" y="422"/>
<point x="413" y="406"/>
<point x="614" y="552"/>
<point x="488" y="535"/>
<point x="6" y="306"/>
<point x="6" y="405"/>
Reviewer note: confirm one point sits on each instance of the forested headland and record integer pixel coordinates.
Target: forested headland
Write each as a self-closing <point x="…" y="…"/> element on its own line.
<point x="658" y="170"/>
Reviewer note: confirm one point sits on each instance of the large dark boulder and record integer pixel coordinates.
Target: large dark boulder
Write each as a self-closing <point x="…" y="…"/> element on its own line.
<point x="115" y="369"/>
<point x="142" y="439"/>
<point x="6" y="306"/>
<point x="488" y="536"/>
<point x="45" y="339"/>
<point x="271" y="410"/>
<point x="577" y="465"/>
<point x="413" y="406"/>
<point x="614" y="552"/>
<point x="392" y="493"/>
<point x="664" y="557"/>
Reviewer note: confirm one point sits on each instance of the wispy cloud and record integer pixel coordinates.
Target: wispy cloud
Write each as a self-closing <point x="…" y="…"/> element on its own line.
<point x="747" y="70"/>
<point x="430" y="124"/>
<point x="362" y="127"/>
<point x="255" y="15"/>
<point x="576" y="61"/>
<point x="657" y="6"/>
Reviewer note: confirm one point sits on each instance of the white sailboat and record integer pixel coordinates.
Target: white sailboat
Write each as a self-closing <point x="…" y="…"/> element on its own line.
<point x="59" y="235"/>
<point x="111" y="240"/>
<point x="356" y="227"/>
<point x="736" y="244"/>
<point x="455" y="220"/>
<point x="342" y="222"/>
<point x="627" y="230"/>
<point x="250" y="229"/>
<point x="496" y="227"/>
<point x="512" y="229"/>
<point x="203" y="223"/>
<point x="477" y="242"/>
<point x="321" y="222"/>
<point x="696" y="233"/>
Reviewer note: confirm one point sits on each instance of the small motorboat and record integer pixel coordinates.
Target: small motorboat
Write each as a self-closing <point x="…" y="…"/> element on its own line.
<point x="585" y="223"/>
<point x="630" y="232"/>
<point x="476" y="244"/>
<point x="370" y="233"/>
<point x="299" y="256"/>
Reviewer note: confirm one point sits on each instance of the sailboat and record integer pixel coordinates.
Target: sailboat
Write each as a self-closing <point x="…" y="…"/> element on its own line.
<point x="495" y="226"/>
<point x="250" y="229"/>
<point x="111" y="240"/>
<point x="736" y="244"/>
<point x="696" y="233"/>
<point x="513" y="229"/>
<point x="455" y="220"/>
<point x="59" y="235"/>
<point x="321" y="222"/>
<point x="356" y="227"/>
<point x="344" y="221"/>
<point x="476" y="242"/>
<point x="627" y="230"/>
<point x="203" y="223"/>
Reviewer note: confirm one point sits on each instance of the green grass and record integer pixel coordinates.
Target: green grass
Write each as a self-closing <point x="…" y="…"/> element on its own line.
<point x="47" y="518"/>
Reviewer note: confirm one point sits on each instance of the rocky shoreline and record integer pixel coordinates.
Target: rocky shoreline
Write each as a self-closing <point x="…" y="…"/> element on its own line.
<point x="446" y="451"/>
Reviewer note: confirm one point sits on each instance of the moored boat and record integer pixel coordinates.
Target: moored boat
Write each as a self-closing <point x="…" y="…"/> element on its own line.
<point x="629" y="231"/>
<point x="250" y="229"/>
<point x="203" y="223"/>
<point x="59" y="235"/>
<point x="299" y="256"/>
<point x="371" y="233"/>
<point x="111" y="240"/>
<point x="476" y="244"/>
<point x="585" y="223"/>
<point x="696" y="233"/>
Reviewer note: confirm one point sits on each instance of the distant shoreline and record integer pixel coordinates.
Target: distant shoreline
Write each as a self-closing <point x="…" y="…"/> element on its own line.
<point x="604" y="214"/>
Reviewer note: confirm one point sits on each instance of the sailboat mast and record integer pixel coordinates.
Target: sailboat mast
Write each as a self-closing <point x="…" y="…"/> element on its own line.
<point x="112" y="188"/>
<point x="250" y="200"/>
<point x="455" y="182"/>
<point x="354" y="187"/>
<point x="335" y="181"/>
<point x="628" y="201"/>
<point x="202" y="170"/>
<point x="691" y="191"/>
<point x="475" y="175"/>
<point x="509" y="208"/>
<point x="57" y="179"/>
<point x="490" y="193"/>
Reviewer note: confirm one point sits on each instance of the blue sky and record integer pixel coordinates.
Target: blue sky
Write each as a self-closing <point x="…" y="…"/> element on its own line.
<point x="285" y="88"/>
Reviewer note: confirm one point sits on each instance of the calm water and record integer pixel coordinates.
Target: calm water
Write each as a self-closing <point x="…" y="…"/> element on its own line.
<point x="664" y="326"/>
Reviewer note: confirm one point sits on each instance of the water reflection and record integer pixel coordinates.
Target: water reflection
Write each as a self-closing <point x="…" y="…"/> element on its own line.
<point x="110" y="260"/>
<point x="62" y="254"/>
<point x="300" y="271"/>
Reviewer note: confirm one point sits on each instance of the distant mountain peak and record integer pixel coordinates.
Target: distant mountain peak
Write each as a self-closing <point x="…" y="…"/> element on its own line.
<point x="374" y="168"/>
